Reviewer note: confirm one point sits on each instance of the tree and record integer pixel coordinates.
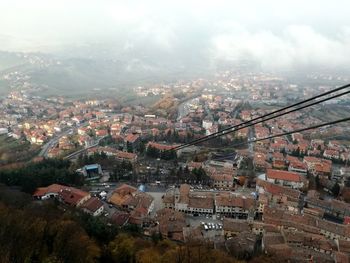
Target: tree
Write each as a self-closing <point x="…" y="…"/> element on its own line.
<point x="200" y="175"/>
<point x="97" y="228"/>
<point x="129" y="147"/>
<point x="42" y="173"/>
<point x="335" y="189"/>
<point x="152" y="152"/>
<point x="317" y="181"/>
<point x="142" y="147"/>
<point x="41" y="234"/>
<point x="123" y="249"/>
<point x="148" y="255"/>
<point x="168" y="155"/>
<point x="296" y="152"/>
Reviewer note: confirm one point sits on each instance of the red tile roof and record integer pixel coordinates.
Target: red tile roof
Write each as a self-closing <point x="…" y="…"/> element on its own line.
<point x="161" y="147"/>
<point x="72" y="196"/>
<point x="54" y="188"/>
<point x="132" y="137"/>
<point x="120" y="218"/>
<point x="283" y="175"/>
<point x="93" y="204"/>
<point x="126" y="155"/>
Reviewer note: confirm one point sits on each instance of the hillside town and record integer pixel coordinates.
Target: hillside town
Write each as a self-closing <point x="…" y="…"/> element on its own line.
<point x="287" y="196"/>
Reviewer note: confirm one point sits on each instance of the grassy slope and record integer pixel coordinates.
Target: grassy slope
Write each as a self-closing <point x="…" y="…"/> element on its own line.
<point x="12" y="150"/>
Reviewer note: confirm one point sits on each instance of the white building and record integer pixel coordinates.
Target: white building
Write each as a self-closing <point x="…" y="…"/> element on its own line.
<point x="206" y="124"/>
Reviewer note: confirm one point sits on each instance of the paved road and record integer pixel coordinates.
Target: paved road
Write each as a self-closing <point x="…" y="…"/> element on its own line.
<point x="53" y="141"/>
<point x="251" y="144"/>
<point x="184" y="108"/>
<point x="72" y="155"/>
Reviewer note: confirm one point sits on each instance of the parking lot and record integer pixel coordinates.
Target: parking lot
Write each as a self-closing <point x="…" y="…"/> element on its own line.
<point x="210" y="226"/>
<point x="197" y="220"/>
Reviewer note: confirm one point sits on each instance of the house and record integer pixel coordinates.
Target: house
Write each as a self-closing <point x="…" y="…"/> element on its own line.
<point x="213" y="129"/>
<point x="78" y="119"/>
<point x="93" y="206"/>
<point x="297" y="167"/>
<point x="116" y="128"/>
<point x="331" y="154"/>
<point x="201" y="204"/>
<point x="222" y="180"/>
<point x="317" y="166"/>
<point x="276" y="193"/>
<point x="139" y="216"/>
<point x="126" y="156"/>
<point x="160" y="147"/>
<point x="232" y="227"/>
<point x="279" y="164"/>
<point x="232" y="205"/>
<point x="194" y="165"/>
<point x="171" y="224"/>
<point x="53" y="153"/>
<point x="120" y="218"/>
<point x="132" y="141"/>
<point x="68" y="195"/>
<point x="101" y="132"/>
<point x="285" y="178"/>
<point x="242" y="133"/>
<point x="345" y="157"/>
<point x="73" y="196"/>
<point x="50" y="191"/>
<point x="16" y="134"/>
<point x="259" y="161"/>
<point x="192" y="202"/>
<point x="3" y="131"/>
<point x="83" y="131"/>
<point x="129" y="198"/>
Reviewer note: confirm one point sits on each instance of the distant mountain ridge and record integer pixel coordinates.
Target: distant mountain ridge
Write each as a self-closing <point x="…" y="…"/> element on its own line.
<point x="58" y="75"/>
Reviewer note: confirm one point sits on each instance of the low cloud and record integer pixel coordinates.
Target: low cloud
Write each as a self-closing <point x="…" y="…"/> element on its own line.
<point x="275" y="34"/>
<point x="295" y="46"/>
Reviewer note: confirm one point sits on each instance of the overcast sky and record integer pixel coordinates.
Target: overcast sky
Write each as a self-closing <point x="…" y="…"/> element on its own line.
<point x="274" y="32"/>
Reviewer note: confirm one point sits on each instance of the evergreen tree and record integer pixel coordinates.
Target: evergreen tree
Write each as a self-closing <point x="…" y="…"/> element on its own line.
<point x="152" y="152"/>
<point x="335" y="189"/>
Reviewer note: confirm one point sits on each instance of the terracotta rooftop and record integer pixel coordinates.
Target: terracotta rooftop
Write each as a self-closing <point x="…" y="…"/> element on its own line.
<point x="235" y="225"/>
<point x="132" y="137"/>
<point x="93" y="204"/>
<point x="120" y="218"/>
<point x="53" y="188"/>
<point x="184" y="193"/>
<point x="161" y="147"/>
<point x="283" y="175"/>
<point x="72" y="196"/>
<point x="201" y="202"/>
